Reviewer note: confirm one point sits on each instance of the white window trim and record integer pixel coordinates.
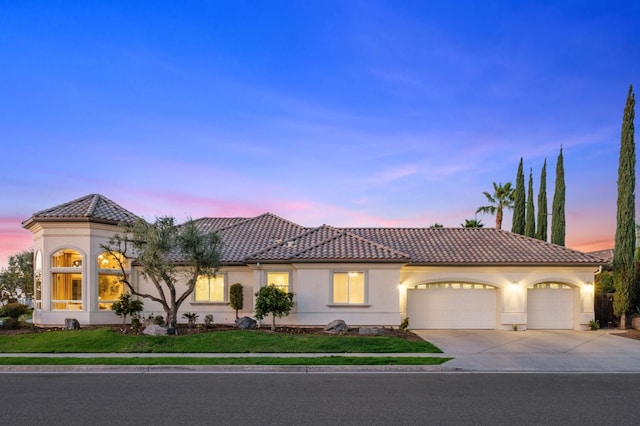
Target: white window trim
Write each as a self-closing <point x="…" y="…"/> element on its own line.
<point x="365" y="304"/>
<point x="224" y="302"/>
<point x="277" y="271"/>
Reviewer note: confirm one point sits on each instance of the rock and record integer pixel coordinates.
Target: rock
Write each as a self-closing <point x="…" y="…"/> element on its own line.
<point x="336" y="327"/>
<point x="372" y="331"/>
<point x="71" y="324"/>
<point x="154" y="330"/>
<point x="246" y="323"/>
<point x="635" y="322"/>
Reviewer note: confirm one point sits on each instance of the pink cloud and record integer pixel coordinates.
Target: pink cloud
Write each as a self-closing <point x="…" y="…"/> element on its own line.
<point x="12" y="238"/>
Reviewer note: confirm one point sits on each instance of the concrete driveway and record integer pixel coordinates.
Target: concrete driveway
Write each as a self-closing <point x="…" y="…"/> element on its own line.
<point x="536" y="350"/>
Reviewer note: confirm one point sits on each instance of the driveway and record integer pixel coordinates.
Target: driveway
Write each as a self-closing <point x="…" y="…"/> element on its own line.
<point x="536" y="350"/>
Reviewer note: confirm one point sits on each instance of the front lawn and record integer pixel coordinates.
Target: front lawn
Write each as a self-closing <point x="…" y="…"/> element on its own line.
<point x="105" y="340"/>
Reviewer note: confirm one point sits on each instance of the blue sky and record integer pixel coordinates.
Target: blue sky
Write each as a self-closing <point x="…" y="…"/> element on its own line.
<point x="351" y="113"/>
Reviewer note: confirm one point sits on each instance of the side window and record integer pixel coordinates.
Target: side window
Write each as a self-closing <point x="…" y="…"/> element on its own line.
<point x="211" y="289"/>
<point x="279" y="280"/>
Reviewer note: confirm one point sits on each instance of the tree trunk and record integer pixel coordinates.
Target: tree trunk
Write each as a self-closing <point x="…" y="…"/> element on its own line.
<point x="273" y="324"/>
<point x="623" y="322"/>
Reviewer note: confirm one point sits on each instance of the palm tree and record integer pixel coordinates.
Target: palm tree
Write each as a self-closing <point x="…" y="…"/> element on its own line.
<point x="472" y="223"/>
<point x="501" y="199"/>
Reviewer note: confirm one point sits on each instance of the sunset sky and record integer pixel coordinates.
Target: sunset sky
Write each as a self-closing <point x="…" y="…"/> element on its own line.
<point x="350" y="113"/>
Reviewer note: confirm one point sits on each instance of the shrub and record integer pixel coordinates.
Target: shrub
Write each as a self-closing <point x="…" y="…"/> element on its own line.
<point x="236" y="298"/>
<point x="14" y="310"/>
<point x="208" y="320"/>
<point x="126" y="306"/>
<point x="594" y="325"/>
<point x="404" y="325"/>
<point x="11" y="323"/>
<point x="272" y="300"/>
<point x="158" y="319"/>
<point x="191" y="317"/>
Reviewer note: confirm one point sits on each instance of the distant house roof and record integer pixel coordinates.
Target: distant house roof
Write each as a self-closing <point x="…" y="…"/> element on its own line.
<point x="605" y="255"/>
<point x="268" y="238"/>
<point x="90" y="208"/>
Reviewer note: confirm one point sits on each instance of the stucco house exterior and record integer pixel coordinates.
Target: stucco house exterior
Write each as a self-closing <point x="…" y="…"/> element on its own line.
<point x="447" y="278"/>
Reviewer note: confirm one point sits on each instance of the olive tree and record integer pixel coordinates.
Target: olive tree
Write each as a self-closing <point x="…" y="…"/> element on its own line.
<point x="17" y="279"/>
<point x="272" y="300"/>
<point x="170" y="256"/>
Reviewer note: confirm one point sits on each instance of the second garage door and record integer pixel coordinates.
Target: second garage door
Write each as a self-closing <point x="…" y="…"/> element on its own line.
<point x="550" y="306"/>
<point x="452" y="306"/>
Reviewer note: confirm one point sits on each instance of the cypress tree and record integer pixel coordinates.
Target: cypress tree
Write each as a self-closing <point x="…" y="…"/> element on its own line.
<point x="541" y="232"/>
<point x="623" y="265"/>
<point x="530" y="224"/>
<point x="517" y="225"/>
<point x="557" y="209"/>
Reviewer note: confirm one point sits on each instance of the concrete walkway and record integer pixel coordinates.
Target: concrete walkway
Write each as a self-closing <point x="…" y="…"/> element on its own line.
<point x="536" y="350"/>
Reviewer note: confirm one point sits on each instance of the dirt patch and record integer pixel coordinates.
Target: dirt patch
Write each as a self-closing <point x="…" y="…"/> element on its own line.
<point x="629" y="334"/>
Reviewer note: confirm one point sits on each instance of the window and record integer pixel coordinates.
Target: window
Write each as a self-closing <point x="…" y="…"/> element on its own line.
<point x="37" y="284"/>
<point x="210" y="289"/>
<point x="348" y="288"/>
<point x="552" y="286"/>
<point x="66" y="280"/>
<point x="279" y="280"/>
<point x="66" y="291"/>
<point x="110" y="285"/>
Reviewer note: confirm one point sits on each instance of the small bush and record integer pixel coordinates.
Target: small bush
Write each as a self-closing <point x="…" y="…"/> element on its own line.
<point x="158" y="319"/>
<point x="208" y="320"/>
<point x="11" y="323"/>
<point x="594" y="325"/>
<point x="404" y="325"/>
<point x="236" y="298"/>
<point x="13" y="310"/>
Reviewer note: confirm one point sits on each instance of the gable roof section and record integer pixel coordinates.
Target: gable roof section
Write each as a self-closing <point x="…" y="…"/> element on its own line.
<point x="90" y="208"/>
<point x="328" y="244"/>
<point x="473" y="246"/>
<point x="243" y="236"/>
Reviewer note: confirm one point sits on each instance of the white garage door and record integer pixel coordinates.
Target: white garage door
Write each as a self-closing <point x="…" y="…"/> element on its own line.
<point x="550" y="306"/>
<point x="452" y="306"/>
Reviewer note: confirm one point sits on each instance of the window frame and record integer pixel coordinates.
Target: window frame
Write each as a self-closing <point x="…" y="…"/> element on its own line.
<point x="117" y="272"/>
<point x="225" y="291"/>
<point x="77" y="268"/>
<point x="289" y="279"/>
<point x="365" y="289"/>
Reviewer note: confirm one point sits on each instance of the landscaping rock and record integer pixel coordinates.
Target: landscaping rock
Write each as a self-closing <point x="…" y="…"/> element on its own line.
<point x="71" y="324"/>
<point x="246" y="323"/>
<point x="336" y="327"/>
<point x="372" y="331"/>
<point x="154" y="330"/>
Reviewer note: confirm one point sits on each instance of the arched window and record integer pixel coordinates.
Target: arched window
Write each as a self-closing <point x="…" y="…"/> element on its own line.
<point x="110" y="276"/>
<point x="66" y="280"/>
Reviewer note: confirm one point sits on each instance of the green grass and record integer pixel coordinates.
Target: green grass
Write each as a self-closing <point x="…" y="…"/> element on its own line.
<point x="104" y="340"/>
<point x="327" y="360"/>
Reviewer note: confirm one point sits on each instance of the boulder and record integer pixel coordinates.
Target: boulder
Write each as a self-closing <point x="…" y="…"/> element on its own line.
<point x="71" y="324"/>
<point x="372" y="331"/>
<point x="154" y="330"/>
<point x="246" y="323"/>
<point x="336" y="327"/>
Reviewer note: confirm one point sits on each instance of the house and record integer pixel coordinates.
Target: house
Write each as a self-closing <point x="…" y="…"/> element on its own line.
<point x="462" y="278"/>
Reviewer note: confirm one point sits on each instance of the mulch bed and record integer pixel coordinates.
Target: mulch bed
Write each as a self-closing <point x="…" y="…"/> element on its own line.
<point x="183" y="329"/>
<point x="629" y="334"/>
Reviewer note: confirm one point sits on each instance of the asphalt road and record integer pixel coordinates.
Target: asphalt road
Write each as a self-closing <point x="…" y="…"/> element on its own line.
<point x="305" y="399"/>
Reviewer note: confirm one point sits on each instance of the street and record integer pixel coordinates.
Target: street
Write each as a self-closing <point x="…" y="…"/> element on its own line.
<point x="305" y="399"/>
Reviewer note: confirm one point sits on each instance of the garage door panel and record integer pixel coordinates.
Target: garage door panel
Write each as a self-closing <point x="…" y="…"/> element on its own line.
<point x="448" y="308"/>
<point x="550" y="309"/>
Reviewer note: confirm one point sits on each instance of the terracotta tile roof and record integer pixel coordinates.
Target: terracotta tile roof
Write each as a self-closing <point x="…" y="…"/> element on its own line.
<point x="605" y="255"/>
<point x="243" y="236"/>
<point x="473" y="246"/>
<point x="270" y="238"/>
<point x="91" y="208"/>
<point x="328" y="244"/>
